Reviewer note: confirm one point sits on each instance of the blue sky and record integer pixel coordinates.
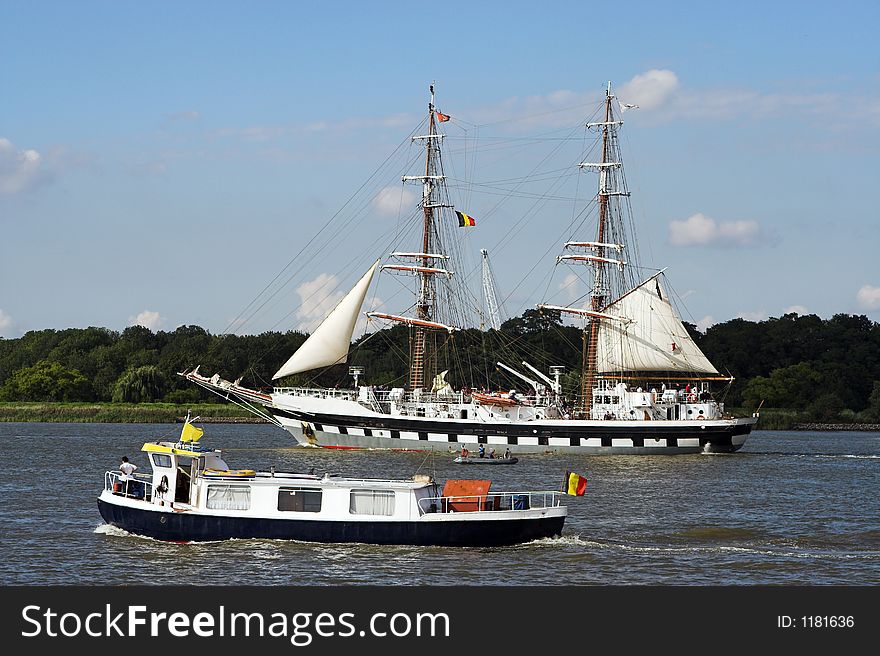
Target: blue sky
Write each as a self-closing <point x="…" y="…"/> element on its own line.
<point x="161" y="163"/>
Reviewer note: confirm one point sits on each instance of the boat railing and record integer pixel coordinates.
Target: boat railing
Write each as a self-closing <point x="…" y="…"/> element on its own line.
<point x="491" y="501"/>
<point x="137" y="486"/>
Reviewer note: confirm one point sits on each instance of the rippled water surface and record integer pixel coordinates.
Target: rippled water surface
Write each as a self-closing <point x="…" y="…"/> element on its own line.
<point x="790" y="508"/>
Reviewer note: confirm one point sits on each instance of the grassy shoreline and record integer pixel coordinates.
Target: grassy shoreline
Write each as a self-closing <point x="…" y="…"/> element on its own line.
<point x="168" y="413"/>
<point x="119" y="413"/>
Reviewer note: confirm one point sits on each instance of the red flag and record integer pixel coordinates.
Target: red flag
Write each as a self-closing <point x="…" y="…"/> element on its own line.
<point x="442" y="117"/>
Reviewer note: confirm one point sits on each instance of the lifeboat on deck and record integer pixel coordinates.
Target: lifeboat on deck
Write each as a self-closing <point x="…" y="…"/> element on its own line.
<point x="494" y="399"/>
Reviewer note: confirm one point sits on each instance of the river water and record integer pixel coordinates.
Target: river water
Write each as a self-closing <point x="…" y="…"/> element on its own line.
<point x="790" y="508"/>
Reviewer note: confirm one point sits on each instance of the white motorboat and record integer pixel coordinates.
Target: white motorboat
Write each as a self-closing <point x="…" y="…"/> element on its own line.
<point x="193" y="495"/>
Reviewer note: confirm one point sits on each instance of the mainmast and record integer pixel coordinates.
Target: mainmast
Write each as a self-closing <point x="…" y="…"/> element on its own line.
<point x="599" y="292"/>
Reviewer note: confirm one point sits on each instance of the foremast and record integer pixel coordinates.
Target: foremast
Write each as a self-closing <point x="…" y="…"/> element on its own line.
<point x="429" y="260"/>
<point x="424" y="302"/>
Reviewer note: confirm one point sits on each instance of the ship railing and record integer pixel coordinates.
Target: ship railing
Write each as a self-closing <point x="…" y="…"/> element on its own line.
<point x="346" y="394"/>
<point x="137" y="486"/>
<point x="492" y="501"/>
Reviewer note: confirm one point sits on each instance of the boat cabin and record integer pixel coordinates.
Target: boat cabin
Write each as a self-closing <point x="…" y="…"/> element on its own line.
<point x="188" y="478"/>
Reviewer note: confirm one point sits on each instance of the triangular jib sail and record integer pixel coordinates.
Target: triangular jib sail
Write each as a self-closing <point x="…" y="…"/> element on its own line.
<point x="330" y="342"/>
<point x="651" y="336"/>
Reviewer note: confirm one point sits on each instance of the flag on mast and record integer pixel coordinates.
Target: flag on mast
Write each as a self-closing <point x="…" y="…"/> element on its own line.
<point x="442" y="117"/>
<point x="465" y="220"/>
<point x="574" y="484"/>
<point x="190" y="433"/>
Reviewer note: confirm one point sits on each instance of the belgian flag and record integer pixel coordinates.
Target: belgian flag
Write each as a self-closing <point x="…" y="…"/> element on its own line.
<point x="574" y="484"/>
<point x="465" y="220"/>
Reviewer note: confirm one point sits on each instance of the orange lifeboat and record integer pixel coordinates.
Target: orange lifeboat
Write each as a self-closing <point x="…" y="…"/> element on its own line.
<point x="493" y="399"/>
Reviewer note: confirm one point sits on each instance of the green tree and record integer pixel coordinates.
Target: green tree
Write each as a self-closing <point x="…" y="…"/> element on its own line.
<point x="141" y="385"/>
<point x="46" y="381"/>
<point x="795" y="386"/>
<point x="872" y="412"/>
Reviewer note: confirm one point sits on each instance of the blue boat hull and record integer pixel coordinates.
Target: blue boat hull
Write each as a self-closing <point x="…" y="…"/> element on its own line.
<point x="194" y="527"/>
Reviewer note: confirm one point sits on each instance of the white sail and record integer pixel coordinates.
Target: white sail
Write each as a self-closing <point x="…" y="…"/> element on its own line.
<point x="650" y="338"/>
<point x="330" y="342"/>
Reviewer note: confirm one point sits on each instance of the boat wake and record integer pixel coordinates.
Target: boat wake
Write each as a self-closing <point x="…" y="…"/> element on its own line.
<point x="580" y="543"/>
<point x="791" y="454"/>
<point x="107" y="529"/>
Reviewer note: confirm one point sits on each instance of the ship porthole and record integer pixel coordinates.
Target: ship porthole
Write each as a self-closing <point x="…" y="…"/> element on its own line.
<point x="162" y="520"/>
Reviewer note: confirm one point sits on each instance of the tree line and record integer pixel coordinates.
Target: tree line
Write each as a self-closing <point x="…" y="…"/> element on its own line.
<point x="826" y="369"/>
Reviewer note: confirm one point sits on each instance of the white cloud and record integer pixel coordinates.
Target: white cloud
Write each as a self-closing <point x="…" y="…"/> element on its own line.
<point x="148" y="319"/>
<point x="701" y="230"/>
<point x="796" y="309"/>
<point x="650" y="89"/>
<point x="317" y="298"/>
<point x="571" y="285"/>
<point x="704" y="323"/>
<point x="20" y="170"/>
<point x="868" y="297"/>
<point x="5" y="324"/>
<point x="390" y="201"/>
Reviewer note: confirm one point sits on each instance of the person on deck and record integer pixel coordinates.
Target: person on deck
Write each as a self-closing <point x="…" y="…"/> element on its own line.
<point x="128" y="469"/>
<point x="482" y="451"/>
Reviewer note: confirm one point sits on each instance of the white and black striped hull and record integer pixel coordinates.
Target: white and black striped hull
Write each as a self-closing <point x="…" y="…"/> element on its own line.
<point x="586" y="437"/>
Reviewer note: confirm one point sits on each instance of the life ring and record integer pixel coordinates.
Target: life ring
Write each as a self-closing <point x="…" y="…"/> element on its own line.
<point x="692" y="398"/>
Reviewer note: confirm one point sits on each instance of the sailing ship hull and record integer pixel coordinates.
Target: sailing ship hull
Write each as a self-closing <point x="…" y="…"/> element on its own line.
<point x="589" y="437"/>
<point x="168" y="525"/>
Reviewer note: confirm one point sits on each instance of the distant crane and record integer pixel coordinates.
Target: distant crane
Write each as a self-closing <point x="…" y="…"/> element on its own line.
<point x="490" y="299"/>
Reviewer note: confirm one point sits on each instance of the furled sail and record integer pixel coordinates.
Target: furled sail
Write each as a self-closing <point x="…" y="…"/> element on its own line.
<point x="650" y="338"/>
<point x="441" y="386"/>
<point x="330" y="341"/>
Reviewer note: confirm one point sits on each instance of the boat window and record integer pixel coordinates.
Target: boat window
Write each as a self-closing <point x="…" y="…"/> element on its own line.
<point x="299" y="499"/>
<point x="372" y="502"/>
<point x="229" y="497"/>
<point x="161" y="460"/>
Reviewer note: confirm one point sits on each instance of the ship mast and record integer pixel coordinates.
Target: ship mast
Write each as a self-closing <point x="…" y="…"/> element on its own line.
<point x="598" y="294"/>
<point x="428" y="262"/>
<point x="424" y="301"/>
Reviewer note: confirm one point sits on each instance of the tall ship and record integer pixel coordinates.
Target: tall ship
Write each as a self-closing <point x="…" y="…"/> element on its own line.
<point x="645" y="387"/>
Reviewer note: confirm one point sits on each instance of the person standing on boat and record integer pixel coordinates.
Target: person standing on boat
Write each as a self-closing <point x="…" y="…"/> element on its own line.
<point x="128" y="469"/>
<point x="482" y="451"/>
<point x="507" y="454"/>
